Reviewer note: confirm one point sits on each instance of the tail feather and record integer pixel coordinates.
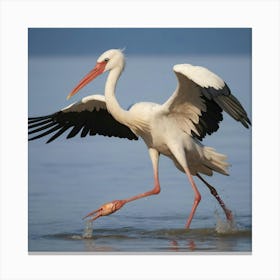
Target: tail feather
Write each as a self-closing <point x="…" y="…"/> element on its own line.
<point x="215" y="161"/>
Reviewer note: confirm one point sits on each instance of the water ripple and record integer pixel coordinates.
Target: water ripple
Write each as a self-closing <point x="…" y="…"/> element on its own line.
<point x="134" y="233"/>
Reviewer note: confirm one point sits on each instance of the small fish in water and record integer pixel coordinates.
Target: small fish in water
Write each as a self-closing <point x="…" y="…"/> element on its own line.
<point x="88" y="230"/>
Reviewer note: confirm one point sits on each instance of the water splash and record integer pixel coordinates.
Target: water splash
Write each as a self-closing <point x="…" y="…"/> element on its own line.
<point x="225" y="227"/>
<point x="88" y="230"/>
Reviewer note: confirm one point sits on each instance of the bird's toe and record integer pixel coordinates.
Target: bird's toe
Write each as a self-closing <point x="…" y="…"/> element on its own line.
<point x="106" y="209"/>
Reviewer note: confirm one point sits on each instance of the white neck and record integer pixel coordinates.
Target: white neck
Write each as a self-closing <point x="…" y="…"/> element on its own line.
<point x="113" y="105"/>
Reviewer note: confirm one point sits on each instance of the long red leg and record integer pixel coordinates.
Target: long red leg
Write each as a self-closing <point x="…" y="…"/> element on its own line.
<point x="197" y="197"/>
<point x="111" y="207"/>
<point x="156" y="190"/>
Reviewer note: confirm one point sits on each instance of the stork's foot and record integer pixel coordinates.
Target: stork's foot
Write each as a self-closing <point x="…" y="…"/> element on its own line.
<point x="106" y="209"/>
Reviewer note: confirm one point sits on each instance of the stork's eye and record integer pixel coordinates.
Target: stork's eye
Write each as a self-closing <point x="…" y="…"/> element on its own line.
<point x="106" y="59"/>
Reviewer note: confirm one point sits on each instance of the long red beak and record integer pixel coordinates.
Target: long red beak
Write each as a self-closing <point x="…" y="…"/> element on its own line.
<point x="96" y="71"/>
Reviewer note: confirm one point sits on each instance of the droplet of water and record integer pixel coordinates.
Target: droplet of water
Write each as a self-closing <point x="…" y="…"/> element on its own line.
<point x="76" y="237"/>
<point x="225" y="226"/>
<point x="88" y="230"/>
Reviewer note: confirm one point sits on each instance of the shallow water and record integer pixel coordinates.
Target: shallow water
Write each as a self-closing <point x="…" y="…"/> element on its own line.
<point x="62" y="192"/>
<point x="68" y="179"/>
<point x="133" y="239"/>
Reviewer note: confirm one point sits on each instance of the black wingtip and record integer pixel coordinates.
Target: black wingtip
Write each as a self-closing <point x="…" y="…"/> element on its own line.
<point x="246" y="122"/>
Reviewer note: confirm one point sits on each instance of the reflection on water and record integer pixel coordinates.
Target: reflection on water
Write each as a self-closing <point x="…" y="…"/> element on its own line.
<point x="161" y="240"/>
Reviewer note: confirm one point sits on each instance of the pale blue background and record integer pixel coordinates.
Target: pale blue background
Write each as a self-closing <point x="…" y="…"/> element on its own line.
<point x="69" y="178"/>
<point x="148" y="41"/>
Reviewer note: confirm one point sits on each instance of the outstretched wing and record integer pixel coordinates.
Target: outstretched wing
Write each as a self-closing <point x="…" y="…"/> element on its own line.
<point x="199" y="100"/>
<point x="90" y="116"/>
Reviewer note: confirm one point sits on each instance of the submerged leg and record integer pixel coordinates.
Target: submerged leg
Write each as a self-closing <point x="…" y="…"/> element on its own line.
<point x="111" y="207"/>
<point x="213" y="191"/>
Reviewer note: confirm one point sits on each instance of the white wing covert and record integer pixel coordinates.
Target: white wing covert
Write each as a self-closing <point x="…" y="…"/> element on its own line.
<point x="89" y="115"/>
<point x="199" y="100"/>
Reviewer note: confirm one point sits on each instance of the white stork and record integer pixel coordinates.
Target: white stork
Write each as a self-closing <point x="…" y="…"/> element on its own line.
<point x="173" y="129"/>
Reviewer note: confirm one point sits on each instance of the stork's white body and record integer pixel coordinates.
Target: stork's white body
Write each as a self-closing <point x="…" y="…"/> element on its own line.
<point x="162" y="133"/>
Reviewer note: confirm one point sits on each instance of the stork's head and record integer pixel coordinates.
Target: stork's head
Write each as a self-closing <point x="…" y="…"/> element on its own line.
<point x="109" y="60"/>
